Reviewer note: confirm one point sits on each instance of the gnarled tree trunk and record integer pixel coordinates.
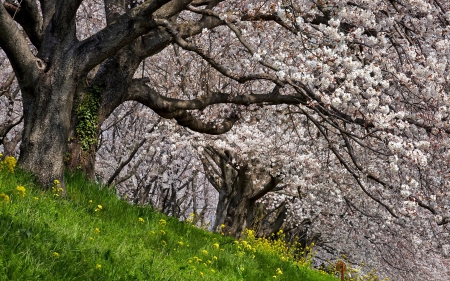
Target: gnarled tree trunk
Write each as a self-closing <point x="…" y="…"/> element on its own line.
<point x="238" y="208"/>
<point x="47" y="113"/>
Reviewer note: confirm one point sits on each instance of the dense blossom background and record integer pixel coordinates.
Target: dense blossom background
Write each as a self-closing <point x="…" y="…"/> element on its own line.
<point x="362" y="158"/>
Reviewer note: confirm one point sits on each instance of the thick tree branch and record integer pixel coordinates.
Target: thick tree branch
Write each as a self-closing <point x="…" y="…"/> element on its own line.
<point x="25" y="64"/>
<point x="95" y="49"/>
<point x="186" y="119"/>
<point x="48" y="9"/>
<point x="268" y="187"/>
<point x="29" y="17"/>
<point x="149" y="97"/>
<point x="113" y="9"/>
<point x="64" y="17"/>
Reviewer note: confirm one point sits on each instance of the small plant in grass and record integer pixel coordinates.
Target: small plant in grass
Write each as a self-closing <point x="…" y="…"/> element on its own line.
<point x="344" y="270"/>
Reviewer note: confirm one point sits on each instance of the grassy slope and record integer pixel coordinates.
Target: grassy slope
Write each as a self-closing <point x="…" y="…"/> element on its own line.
<point x="45" y="237"/>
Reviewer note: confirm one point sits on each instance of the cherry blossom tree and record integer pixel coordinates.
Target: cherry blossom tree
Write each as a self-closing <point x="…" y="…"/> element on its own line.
<point x="363" y="87"/>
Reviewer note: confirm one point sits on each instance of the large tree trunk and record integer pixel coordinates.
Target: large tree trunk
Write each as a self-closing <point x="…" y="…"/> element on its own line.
<point x="241" y="207"/>
<point x="221" y="210"/>
<point x="47" y="111"/>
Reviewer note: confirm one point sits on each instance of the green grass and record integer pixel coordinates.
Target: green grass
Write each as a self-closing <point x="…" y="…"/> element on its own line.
<point x="46" y="237"/>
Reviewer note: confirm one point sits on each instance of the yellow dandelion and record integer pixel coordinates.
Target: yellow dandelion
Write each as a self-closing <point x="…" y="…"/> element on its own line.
<point x="97" y="230"/>
<point x="55" y="254"/>
<point x="216" y="245"/>
<point x="141" y="220"/>
<point x="205" y="252"/>
<point x="99" y="208"/>
<point x="98" y="266"/>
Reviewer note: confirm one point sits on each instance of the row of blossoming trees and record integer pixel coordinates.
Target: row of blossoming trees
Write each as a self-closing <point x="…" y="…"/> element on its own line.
<point x="327" y="119"/>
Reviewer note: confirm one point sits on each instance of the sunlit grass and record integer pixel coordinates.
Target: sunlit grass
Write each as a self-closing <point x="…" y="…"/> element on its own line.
<point x="92" y="235"/>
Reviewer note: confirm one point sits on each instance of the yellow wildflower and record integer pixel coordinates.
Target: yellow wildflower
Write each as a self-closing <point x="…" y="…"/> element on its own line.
<point x="279" y="272"/>
<point x="205" y="252"/>
<point x="141" y="220"/>
<point x="97" y="230"/>
<point x="55" y="254"/>
<point x="20" y="190"/>
<point x="8" y="163"/>
<point x="4" y="198"/>
<point x="98" y="266"/>
<point x="216" y="245"/>
<point x="99" y="208"/>
<point x="162" y="223"/>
